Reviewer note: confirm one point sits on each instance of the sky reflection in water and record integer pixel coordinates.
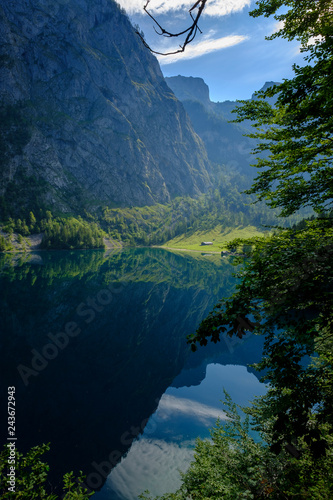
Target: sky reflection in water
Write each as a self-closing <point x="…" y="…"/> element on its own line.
<point x="167" y="443"/>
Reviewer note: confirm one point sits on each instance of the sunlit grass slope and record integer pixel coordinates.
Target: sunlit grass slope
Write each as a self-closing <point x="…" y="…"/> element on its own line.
<point x="217" y="236"/>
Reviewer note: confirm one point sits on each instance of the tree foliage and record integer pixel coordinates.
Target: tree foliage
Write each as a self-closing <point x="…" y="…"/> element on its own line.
<point x="58" y="232"/>
<point x="72" y="233"/>
<point x="297" y="132"/>
<point x="285" y="293"/>
<point x="31" y="477"/>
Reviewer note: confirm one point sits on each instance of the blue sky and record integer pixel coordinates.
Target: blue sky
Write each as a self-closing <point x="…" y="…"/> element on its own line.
<point x="231" y="54"/>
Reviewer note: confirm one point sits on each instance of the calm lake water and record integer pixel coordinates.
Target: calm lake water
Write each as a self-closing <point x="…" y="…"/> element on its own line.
<point x="95" y="345"/>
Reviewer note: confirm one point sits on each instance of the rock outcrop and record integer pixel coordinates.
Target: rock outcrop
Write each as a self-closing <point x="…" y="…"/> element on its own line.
<point x="189" y="88"/>
<point x="87" y="118"/>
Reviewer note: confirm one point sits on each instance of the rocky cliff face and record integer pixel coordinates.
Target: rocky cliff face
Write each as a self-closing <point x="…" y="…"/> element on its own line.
<point x="87" y="118"/>
<point x="189" y="88"/>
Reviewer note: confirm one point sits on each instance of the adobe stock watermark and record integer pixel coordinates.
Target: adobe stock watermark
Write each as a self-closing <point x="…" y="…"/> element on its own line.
<point x="244" y="149"/>
<point x="57" y="342"/>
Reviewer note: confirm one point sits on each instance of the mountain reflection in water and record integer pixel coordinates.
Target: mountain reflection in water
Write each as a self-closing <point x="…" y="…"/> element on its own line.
<point x="92" y="342"/>
<point x="168" y="441"/>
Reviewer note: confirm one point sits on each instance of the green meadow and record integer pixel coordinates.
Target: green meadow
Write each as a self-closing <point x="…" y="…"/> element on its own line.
<point x="218" y="236"/>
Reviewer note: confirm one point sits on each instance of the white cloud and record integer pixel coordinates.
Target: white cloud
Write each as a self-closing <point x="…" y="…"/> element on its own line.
<point x="154" y="464"/>
<point x="201" y="48"/>
<point x="315" y="39"/>
<point x="214" y="8"/>
<point x="169" y="405"/>
<point x="279" y="25"/>
<point x="150" y="464"/>
<point x="223" y="7"/>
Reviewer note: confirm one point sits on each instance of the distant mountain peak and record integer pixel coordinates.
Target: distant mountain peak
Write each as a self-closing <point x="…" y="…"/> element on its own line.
<point x="266" y="86"/>
<point x="269" y="84"/>
<point x="189" y="88"/>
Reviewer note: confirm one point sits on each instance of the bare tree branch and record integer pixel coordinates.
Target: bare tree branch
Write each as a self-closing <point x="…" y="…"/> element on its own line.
<point x="190" y="32"/>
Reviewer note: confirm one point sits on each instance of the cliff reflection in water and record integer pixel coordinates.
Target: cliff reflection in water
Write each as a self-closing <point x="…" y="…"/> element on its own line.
<point x="92" y="341"/>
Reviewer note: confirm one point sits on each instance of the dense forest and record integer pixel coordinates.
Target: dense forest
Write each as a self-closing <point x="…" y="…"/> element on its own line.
<point x="224" y="206"/>
<point x="58" y="233"/>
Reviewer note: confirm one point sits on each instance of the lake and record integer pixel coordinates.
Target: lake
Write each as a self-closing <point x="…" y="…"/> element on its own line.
<point x="95" y="344"/>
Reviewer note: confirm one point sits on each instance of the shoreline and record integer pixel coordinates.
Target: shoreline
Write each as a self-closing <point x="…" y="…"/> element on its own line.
<point x="109" y="245"/>
<point x="213" y="252"/>
<point x="33" y="242"/>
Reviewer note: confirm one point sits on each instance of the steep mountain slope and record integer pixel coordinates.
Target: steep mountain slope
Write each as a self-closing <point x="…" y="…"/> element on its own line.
<point x="225" y="142"/>
<point x="86" y="116"/>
